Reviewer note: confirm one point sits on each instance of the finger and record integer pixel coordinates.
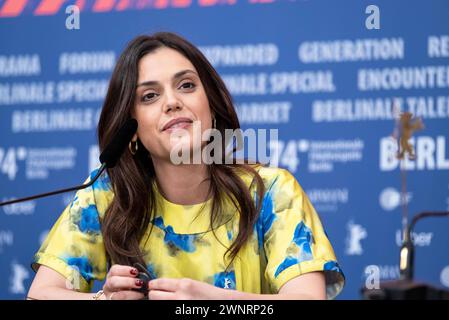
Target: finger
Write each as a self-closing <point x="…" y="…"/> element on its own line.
<point x="164" y="284"/>
<point x="116" y="283"/>
<point x="161" y="295"/>
<point x="123" y="271"/>
<point x="126" y="295"/>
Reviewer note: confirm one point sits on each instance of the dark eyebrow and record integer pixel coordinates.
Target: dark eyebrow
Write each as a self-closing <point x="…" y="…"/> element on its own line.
<point x="176" y="76"/>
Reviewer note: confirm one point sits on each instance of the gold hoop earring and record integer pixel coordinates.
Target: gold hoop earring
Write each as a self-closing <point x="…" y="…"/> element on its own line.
<point x="133" y="147"/>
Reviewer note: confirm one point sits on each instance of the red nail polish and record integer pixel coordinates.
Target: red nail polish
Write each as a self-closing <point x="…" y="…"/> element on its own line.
<point x="139" y="283"/>
<point x="134" y="272"/>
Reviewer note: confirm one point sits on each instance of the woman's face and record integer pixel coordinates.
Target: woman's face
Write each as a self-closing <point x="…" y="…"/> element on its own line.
<point x="169" y="88"/>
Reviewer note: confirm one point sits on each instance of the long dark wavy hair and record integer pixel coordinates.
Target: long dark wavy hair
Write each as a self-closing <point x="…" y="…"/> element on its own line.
<point x="133" y="206"/>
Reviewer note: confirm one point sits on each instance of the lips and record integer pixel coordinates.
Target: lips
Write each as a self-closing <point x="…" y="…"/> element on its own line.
<point x="177" y="123"/>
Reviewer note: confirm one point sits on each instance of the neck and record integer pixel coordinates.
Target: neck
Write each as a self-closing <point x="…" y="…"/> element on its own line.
<point x="184" y="184"/>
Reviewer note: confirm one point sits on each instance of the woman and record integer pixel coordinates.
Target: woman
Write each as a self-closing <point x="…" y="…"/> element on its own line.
<point x="202" y="231"/>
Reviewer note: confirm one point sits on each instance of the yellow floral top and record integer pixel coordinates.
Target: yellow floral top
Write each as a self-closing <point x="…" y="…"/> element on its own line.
<point x="288" y="240"/>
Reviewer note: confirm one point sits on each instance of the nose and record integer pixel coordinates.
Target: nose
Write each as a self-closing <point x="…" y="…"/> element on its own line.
<point x="173" y="103"/>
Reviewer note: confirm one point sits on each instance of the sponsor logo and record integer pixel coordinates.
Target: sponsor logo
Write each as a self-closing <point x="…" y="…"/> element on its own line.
<point x="382" y="272"/>
<point x="356" y="233"/>
<point x="328" y="200"/>
<point x="6" y="239"/>
<point x="390" y="199"/>
<point x="18" y="276"/>
<point x="420" y="239"/>
<point x="21" y="208"/>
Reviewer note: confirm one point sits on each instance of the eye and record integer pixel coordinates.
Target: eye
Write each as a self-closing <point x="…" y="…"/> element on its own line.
<point x="188" y="85"/>
<point x="149" y="96"/>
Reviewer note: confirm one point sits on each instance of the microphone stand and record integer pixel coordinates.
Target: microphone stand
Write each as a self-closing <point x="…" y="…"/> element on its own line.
<point x="108" y="159"/>
<point x="408" y="249"/>
<point x="83" y="186"/>
<point x="405" y="288"/>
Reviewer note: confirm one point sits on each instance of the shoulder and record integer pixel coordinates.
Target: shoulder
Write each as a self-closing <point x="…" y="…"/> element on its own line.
<point x="98" y="195"/>
<point x="274" y="176"/>
<point x="277" y="181"/>
<point x="103" y="183"/>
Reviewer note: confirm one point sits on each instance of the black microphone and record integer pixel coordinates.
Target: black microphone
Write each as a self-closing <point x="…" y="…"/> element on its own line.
<point x="114" y="150"/>
<point x="407" y="253"/>
<point x="108" y="159"/>
<point x="405" y="288"/>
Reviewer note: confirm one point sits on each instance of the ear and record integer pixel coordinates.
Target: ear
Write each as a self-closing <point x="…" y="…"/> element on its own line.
<point x="135" y="137"/>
